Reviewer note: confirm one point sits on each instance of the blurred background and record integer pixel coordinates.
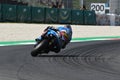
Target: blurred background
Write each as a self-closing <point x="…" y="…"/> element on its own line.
<point x="73" y="4"/>
<point x="107" y="11"/>
<point x="48" y="3"/>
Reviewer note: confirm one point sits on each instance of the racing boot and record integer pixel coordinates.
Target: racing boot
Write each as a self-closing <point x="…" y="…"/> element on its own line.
<point x="39" y="39"/>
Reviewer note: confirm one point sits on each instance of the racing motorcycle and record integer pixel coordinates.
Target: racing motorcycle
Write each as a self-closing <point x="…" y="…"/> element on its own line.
<point x="46" y="44"/>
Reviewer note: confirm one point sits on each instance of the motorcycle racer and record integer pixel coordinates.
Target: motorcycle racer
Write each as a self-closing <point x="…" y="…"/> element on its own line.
<point x="63" y="38"/>
<point x="66" y="34"/>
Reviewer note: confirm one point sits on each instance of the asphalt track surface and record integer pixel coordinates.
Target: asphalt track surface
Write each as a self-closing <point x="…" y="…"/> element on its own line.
<point x="93" y="60"/>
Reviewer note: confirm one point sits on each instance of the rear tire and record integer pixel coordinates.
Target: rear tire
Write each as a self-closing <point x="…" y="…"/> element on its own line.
<point x="38" y="48"/>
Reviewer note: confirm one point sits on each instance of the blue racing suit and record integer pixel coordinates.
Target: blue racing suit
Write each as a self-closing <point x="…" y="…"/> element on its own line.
<point x="65" y="37"/>
<point x="67" y="30"/>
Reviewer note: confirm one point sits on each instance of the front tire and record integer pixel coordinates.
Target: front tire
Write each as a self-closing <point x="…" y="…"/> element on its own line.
<point x="39" y="47"/>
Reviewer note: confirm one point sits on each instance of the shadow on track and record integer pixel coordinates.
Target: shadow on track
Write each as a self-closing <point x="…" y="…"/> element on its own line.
<point x="45" y="55"/>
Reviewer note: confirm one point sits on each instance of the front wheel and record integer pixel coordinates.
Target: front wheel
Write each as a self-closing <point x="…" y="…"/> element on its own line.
<point x="39" y="48"/>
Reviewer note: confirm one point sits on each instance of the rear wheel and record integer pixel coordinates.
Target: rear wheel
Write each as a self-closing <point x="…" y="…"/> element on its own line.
<point x="38" y="48"/>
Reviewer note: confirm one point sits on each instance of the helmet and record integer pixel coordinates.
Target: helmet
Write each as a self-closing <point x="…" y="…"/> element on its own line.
<point x="69" y="30"/>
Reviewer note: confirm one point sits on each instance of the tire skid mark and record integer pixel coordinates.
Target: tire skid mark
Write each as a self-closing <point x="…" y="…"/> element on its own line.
<point x="90" y="56"/>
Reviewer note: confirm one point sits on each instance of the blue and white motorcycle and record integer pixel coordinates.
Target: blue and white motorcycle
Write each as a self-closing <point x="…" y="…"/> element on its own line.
<point x="48" y="43"/>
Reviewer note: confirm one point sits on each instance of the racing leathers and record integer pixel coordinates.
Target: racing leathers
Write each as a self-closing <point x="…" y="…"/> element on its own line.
<point x="61" y="41"/>
<point x="66" y="34"/>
